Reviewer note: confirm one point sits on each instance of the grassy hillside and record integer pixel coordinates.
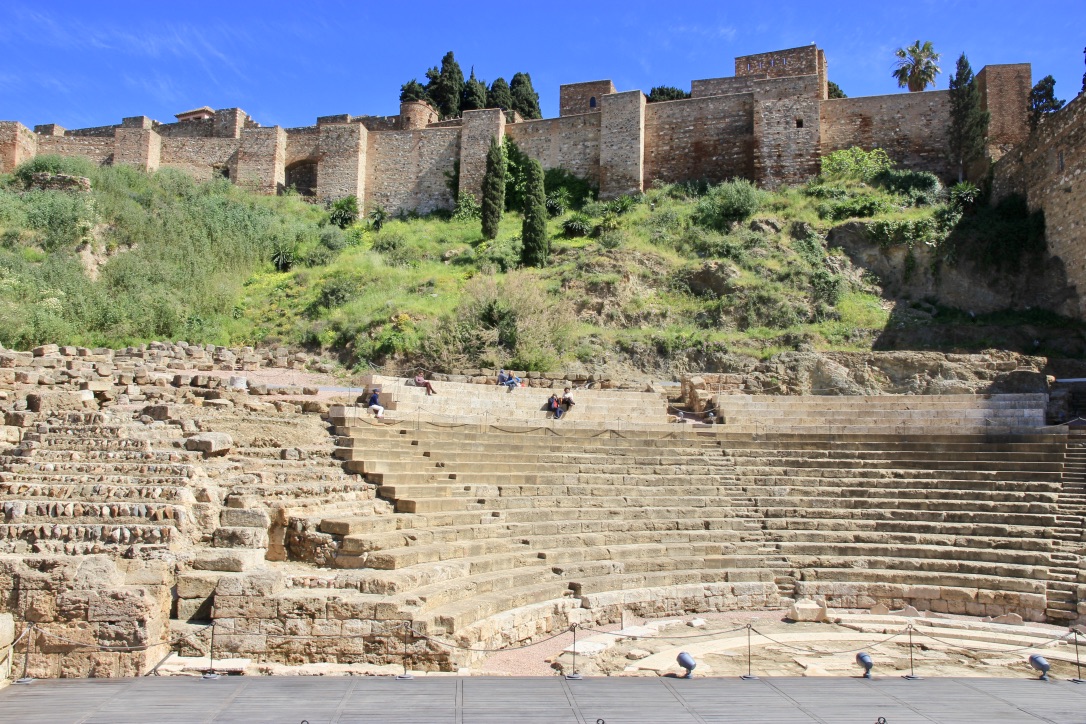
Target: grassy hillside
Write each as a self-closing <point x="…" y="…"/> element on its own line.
<point x="683" y="268"/>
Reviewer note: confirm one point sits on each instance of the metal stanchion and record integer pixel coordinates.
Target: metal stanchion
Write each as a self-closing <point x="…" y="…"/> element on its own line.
<point x="749" y="675"/>
<point x="574" y="676"/>
<point x="210" y="674"/>
<point x="403" y="657"/>
<point x="911" y="676"/>
<point x="1078" y="665"/>
<point x="26" y="678"/>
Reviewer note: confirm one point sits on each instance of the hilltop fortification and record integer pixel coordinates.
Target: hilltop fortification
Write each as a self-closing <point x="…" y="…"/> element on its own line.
<point x="770" y="122"/>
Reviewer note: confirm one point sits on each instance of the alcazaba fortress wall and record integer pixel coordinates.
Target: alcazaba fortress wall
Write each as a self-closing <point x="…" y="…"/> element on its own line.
<point x="770" y="122"/>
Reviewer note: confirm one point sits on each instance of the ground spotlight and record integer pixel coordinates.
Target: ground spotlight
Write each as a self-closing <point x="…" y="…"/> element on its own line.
<point x="1041" y="664"/>
<point x="864" y="659"/>
<point x="687" y="662"/>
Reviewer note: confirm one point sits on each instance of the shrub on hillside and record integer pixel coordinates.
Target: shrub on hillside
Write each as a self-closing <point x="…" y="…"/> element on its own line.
<point x="856" y="206"/>
<point x="855" y="164"/>
<point x="577" y="190"/>
<point x="728" y="203"/>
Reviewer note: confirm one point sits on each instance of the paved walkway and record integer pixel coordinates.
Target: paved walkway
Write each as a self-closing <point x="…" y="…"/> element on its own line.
<point x="454" y="700"/>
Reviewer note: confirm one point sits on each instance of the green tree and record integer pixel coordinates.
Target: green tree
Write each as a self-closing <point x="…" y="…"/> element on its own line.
<point x="493" y="189"/>
<point x="412" y="90"/>
<point x="1043" y="100"/>
<point x="445" y="86"/>
<point x="968" y="121"/>
<point x="916" y="67"/>
<point x="499" y="95"/>
<point x="834" y="90"/>
<point x="666" y="93"/>
<point x="536" y="245"/>
<point x="516" y="174"/>
<point x="525" y="99"/>
<point x="474" y="96"/>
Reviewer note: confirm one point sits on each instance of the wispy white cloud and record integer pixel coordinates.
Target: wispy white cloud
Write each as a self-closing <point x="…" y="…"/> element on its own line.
<point x="710" y="32"/>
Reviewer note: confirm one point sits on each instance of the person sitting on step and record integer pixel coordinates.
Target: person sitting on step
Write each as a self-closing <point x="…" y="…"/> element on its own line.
<point x="375" y="404"/>
<point x="554" y="406"/>
<point x="421" y="381"/>
<point x="567" y="400"/>
<point x="508" y="379"/>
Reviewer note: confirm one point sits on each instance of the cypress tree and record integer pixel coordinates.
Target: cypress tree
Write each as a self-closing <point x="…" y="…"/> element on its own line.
<point x="968" y="123"/>
<point x="1043" y="100"/>
<point x="474" y="96"/>
<point x="536" y="246"/>
<point x="493" y="189"/>
<point x="525" y="99"/>
<point x="499" y="95"/>
<point x="445" y="86"/>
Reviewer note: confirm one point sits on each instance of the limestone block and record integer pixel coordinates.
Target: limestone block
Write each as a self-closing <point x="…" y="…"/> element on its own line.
<point x="240" y="538"/>
<point x="45" y="350"/>
<point x="7" y="630"/>
<point x="194" y="609"/>
<point x="242" y="518"/>
<point x="233" y="560"/>
<point x="210" y="443"/>
<point x="121" y="604"/>
<point x="10" y="435"/>
<point x="247" y="607"/>
<point x="196" y="585"/>
<point x="1012" y="619"/>
<point x="96" y="572"/>
<point x="219" y="404"/>
<point x="162" y="412"/>
<point x="55" y="400"/>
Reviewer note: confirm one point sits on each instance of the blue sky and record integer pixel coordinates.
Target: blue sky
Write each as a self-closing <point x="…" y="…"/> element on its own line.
<point x="91" y="63"/>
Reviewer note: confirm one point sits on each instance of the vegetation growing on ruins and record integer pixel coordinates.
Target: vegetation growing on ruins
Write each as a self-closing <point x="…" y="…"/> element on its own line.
<point x="666" y="93"/>
<point x="683" y="271"/>
<point x="450" y="95"/>
<point x="916" y="66"/>
<point x="1043" y="100"/>
<point x="968" y="120"/>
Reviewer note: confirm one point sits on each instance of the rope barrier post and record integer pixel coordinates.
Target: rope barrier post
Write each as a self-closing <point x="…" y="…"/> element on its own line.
<point x="574" y="676"/>
<point x="210" y="673"/>
<point x="749" y="675"/>
<point x="403" y="657"/>
<point x="1078" y="665"/>
<point x="911" y="676"/>
<point x="27" y="679"/>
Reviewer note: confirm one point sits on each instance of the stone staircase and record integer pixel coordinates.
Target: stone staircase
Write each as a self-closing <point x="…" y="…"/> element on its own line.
<point x="910" y="515"/>
<point x="78" y="484"/>
<point x="1067" y="581"/>
<point x="932" y="414"/>
<point x="493" y="404"/>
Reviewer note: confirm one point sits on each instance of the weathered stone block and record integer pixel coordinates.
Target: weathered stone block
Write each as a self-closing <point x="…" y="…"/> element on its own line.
<point x="122" y="604"/>
<point x="237" y="518"/>
<point x="210" y="443"/>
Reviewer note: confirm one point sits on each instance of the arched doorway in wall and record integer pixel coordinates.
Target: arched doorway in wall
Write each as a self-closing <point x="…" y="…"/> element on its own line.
<point x="302" y="177"/>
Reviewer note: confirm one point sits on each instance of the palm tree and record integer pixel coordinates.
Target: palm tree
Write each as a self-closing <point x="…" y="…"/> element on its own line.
<point x="916" y="66"/>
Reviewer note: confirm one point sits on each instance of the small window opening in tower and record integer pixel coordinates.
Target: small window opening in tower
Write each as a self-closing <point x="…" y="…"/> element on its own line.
<point x="772" y="62"/>
<point x="1061" y="161"/>
<point x="592" y="102"/>
<point x="799" y="123"/>
<point x="748" y="65"/>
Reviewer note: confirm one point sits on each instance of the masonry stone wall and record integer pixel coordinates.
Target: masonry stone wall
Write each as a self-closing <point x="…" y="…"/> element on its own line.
<point x="303" y="144"/>
<point x="622" y="144"/>
<point x="79" y="605"/>
<point x="577" y="98"/>
<point x="415" y="115"/>
<point x="137" y="147"/>
<point x="700" y="138"/>
<point x="805" y="60"/>
<point x="104" y="131"/>
<point x="1004" y="93"/>
<point x="341" y="170"/>
<point x="911" y="127"/>
<point x="98" y="149"/>
<point x="261" y="159"/>
<point x="479" y="128"/>
<point x="406" y="169"/>
<point x="1049" y="169"/>
<point x="199" y="128"/>
<point x="721" y="86"/>
<point x="203" y="159"/>
<point x="786" y="129"/>
<point x="17" y="145"/>
<point x="570" y="142"/>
